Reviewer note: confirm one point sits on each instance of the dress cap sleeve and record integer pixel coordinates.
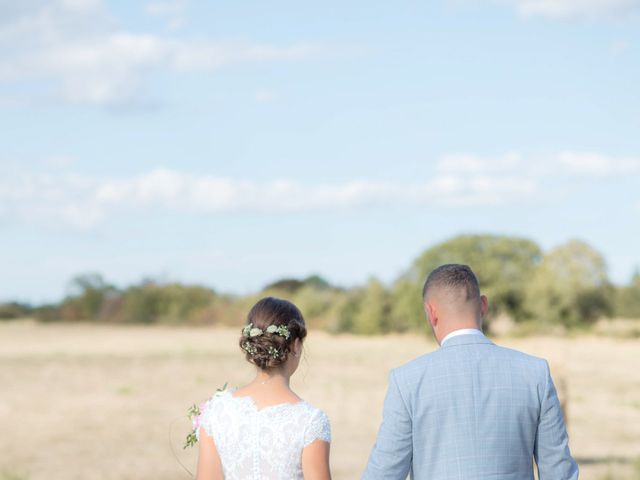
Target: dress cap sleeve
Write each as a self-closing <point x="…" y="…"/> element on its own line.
<point x="318" y="428"/>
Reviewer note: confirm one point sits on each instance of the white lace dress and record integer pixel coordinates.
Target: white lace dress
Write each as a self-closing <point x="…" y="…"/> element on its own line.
<point x="263" y="444"/>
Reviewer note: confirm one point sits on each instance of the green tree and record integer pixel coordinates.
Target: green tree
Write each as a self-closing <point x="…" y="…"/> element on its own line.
<point x="315" y="303"/>
<point x="406" y="311"/>
<point x="167" y="303"/>
<point x="319" y="301"/>
<point x="286" y="285"/>
<point x="292" y="285"/>
<point x="372" y="313"/>
<point x="627" y="304"/>
<point x="318" y="282"/>
<point x="87" y="292"/>
<point x="346" y="310"/>
<point x="502" y="264"/>
<point x="570" y="286"/>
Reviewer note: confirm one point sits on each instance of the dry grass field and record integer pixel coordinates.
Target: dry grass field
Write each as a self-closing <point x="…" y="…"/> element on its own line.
<point x="99" y="402"/>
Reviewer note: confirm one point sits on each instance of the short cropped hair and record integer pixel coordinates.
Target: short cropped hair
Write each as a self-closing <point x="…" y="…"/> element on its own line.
<point x="453" y="276"/>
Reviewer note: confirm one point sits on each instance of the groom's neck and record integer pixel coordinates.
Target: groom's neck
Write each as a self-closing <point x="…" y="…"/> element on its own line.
<point x="446" y="329"/>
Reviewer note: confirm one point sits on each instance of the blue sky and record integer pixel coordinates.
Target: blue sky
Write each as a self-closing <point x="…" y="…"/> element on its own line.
<point x="234" y="143"/>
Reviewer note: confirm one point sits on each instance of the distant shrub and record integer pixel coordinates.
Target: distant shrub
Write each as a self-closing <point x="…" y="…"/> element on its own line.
<point x="590" y="305"/>
<point x="13" y="310"/>
<point x="223" y="310"/>
<point x="627" y="299"/>
<point x="564" y="288"/>
<point x="170" y="303"/>
<point x="47" y="313"/>
<point x="87" y="294"/>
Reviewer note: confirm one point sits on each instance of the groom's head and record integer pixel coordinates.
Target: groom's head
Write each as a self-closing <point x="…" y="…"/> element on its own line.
<point x="452" y="300"/>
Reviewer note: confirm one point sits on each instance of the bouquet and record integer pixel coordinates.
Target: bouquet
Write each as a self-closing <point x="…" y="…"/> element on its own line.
<point x="194" y="413"/>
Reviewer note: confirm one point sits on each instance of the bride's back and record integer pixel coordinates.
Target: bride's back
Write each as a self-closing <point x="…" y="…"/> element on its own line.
<point x="266" y="442"/>
<point x="264" y="431"/>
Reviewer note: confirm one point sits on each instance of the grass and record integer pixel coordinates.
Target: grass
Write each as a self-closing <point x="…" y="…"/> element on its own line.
<point x="97" y="402"/>
<point x="7" y="474"/>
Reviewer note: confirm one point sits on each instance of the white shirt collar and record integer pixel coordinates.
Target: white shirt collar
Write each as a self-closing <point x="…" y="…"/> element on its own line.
<point x="462" y="331"/>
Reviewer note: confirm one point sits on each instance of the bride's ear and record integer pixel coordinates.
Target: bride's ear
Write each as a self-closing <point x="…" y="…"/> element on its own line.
<point x="296" y="348"/>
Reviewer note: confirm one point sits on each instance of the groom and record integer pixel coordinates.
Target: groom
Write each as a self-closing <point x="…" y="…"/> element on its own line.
<point x="471" y="410"/>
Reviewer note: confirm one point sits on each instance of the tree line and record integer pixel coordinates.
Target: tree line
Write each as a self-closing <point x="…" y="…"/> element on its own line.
<point x="566" y="286"/>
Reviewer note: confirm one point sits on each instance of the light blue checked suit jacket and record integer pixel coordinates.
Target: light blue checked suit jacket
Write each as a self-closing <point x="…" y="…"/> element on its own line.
<point x="471" y="410"/>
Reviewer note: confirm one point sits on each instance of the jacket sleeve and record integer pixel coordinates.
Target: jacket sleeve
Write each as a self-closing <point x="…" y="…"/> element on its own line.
<point x="551" y="449"/>
<point x="392" y="453"/>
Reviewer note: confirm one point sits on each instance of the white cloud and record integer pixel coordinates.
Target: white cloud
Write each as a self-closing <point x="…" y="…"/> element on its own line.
<point x="575" y="8"/>
<point x="85" y="201"/>
<point x="595" y="164"/>
<point x="468" y="163"/>
<point x="458" y="181"/>
<point x="75" y="47"/>
<point x="202" y="55"/>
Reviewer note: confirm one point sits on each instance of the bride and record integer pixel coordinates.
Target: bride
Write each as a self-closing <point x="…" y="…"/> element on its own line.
<point x="264" y="430"/>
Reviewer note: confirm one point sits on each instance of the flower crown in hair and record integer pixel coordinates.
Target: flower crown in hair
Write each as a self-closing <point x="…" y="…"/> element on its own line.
<point x="251" y="331"/>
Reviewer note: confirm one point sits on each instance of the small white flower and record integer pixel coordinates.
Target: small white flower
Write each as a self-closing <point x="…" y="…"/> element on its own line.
<point x="255" y="332"/>
<point x="283" y="331"/>
<point x="250" y="349"/>
<point x="272" y="329"/>
<point x="274" y="352"/>
<point x="246" y="330"/>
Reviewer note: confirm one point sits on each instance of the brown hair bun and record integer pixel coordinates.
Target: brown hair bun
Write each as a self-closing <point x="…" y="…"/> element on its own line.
<point x="270" y="349"/>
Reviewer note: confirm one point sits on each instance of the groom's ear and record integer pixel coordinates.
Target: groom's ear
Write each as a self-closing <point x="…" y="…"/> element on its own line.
<point x="484" y="305"/>
<point x="432" y="315"/>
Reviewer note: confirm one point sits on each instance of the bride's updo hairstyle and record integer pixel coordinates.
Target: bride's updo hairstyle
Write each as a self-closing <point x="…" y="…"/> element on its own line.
<point x="272" y="326"/>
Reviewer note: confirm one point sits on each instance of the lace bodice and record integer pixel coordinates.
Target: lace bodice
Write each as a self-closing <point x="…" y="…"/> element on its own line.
<point x="263" y="444"/>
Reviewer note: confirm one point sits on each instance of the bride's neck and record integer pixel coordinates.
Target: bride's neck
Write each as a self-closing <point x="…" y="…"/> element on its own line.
<point x="274" y="379"/>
